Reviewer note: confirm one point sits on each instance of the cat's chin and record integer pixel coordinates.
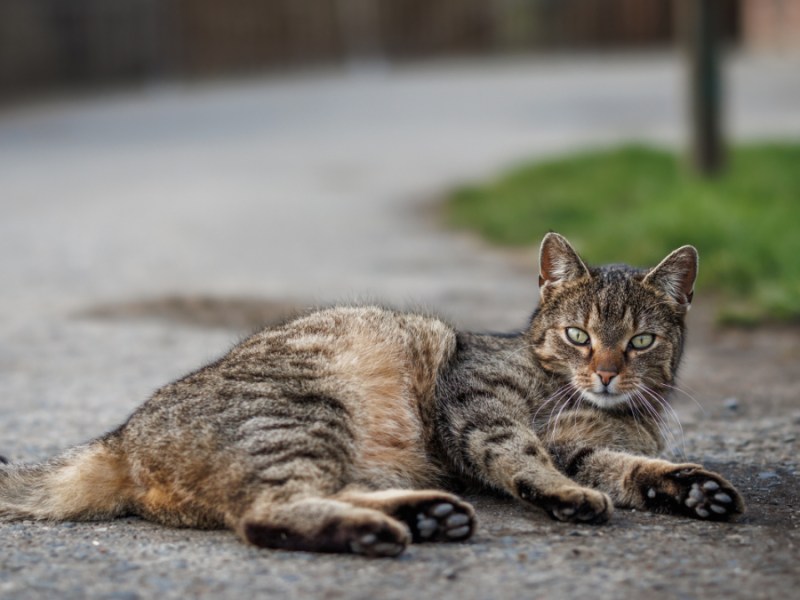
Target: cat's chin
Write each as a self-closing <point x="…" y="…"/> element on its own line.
<point x="605" y="400"/>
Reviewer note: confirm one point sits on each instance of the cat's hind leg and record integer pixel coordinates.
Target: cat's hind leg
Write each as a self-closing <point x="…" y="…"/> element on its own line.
<point x="430" y="515"/>
<point x="296" y="455"/>
<point x="378" y="523"/>
<point x="317" y="524"/>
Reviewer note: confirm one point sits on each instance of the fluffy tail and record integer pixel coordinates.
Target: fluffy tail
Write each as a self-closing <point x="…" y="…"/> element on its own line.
<point x="87" y="482"/>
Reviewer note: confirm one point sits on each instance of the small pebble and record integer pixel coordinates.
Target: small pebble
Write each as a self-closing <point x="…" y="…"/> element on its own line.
<point x="731" y="403"/>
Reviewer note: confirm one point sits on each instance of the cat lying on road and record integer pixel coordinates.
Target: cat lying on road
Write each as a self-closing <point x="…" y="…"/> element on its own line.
<point x="334" y="432"/>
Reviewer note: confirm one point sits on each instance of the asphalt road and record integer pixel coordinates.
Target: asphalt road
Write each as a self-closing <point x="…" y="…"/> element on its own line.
<point x="138" y="228"/>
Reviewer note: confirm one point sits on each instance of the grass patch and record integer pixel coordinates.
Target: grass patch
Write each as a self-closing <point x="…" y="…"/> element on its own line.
<point x="636" y="203"/>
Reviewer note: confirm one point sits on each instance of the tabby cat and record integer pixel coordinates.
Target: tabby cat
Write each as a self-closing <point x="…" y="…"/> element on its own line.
<point x="332" y="432"/>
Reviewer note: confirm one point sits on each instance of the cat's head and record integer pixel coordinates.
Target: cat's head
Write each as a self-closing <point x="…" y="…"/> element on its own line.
<point x="615" y="333"/>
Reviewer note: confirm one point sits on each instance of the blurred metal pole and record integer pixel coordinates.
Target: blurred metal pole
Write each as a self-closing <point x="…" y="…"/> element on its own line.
<point x="698" y="23"/>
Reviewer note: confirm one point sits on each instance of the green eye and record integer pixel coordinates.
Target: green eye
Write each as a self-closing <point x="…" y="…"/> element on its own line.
<point x="642" y="341"/>
<point x="577" y="336"/>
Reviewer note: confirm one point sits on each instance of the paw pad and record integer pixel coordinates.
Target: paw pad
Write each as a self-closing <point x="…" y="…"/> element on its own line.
<point x="694" y="492"/>
<point x="704" y="501"/>
<point x="440" y="521"/>
<point x="368" y="544"/>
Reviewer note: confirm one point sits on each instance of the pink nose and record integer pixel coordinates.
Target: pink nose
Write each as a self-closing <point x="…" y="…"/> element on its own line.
<point x="607" y="376"/>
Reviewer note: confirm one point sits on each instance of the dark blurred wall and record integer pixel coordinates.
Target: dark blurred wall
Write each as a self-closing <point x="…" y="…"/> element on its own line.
<point x="46" y="43"/>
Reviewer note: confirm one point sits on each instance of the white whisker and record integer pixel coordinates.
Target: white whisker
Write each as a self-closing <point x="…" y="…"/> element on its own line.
<point x="663" y="428"/>
<point x="634" y="410"/>
<point x="554" y="397"/>
<point x="688" y="395"/>
<point x="552" y="422"/>
<point x="662" y="403"/>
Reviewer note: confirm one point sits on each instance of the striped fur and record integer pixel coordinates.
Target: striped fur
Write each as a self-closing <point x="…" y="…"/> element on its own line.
<point x="334" y="431"/>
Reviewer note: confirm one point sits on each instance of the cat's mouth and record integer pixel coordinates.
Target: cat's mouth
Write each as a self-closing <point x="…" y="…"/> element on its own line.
<point x="605" y="399"/>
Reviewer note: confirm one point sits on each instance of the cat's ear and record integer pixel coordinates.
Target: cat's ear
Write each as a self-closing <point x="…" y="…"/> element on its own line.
<point x="558" y="261"/>
<point x="675" y="275"/>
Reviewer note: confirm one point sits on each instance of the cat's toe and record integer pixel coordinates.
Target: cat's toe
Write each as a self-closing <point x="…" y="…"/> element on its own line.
<point x="709" y="500"/>
<point x="444" y="519"/>
<point x="457" y="526"/>
<point x="579" y="505"/>
<point x="378" y="540"/>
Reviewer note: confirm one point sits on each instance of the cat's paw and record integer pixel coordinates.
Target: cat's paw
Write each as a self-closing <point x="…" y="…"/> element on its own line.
<point x="377" y="540"/>
<point x="364" y="532"/>
<point x="571" y="503"/>
<point x="692" y="491"/>
<point x="439" y="518"/>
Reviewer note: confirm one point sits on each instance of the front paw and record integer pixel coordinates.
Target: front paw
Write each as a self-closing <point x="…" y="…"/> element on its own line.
<point x="570" y="503"/>
<point x="692" y="491"/>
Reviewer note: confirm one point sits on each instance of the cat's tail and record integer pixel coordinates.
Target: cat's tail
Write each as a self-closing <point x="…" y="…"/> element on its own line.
<point x="86" y="482"/>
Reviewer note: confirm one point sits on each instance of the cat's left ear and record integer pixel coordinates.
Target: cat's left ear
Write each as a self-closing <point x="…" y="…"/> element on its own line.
<point x="675" y="275"/>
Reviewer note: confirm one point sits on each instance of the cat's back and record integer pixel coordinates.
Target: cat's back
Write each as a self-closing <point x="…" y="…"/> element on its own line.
<point x="354" y="352"/>
<point x="349" y="344"/>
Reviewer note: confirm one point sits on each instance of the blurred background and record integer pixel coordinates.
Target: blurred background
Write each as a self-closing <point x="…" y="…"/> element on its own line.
<point x="45" y="44"/>
<point x="328" y="149"/>
<point x="174" y="173"/>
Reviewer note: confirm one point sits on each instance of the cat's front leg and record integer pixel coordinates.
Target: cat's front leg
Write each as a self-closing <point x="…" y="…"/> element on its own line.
<point x="612" y="453"/>
<point x="653" y="484"/>
<point x="504" y="453"/>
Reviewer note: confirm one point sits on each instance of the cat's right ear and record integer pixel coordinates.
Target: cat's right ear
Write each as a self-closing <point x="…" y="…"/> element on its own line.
<point x="558" y="261"/>
<point x="675" y="275"/>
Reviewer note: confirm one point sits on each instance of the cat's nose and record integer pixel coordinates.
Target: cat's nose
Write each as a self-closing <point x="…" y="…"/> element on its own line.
<point x="606" y="376"/>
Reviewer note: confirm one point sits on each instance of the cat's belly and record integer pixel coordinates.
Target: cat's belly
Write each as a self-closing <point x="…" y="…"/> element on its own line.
<point x="384" y="369"/>
<point x="391" y="448"/>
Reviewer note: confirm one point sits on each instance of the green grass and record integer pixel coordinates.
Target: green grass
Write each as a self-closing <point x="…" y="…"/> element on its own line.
<point x="634" y="204"/>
